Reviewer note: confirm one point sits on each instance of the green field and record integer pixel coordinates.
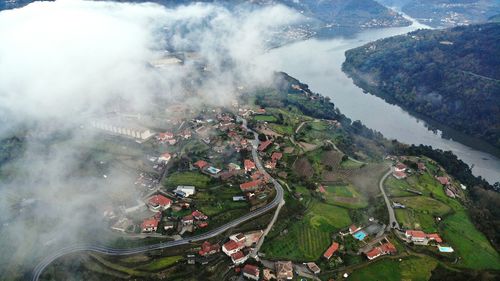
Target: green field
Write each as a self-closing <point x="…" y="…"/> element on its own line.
<point x="413" y="268"/>
<point x="219" y="200"/>
<point x="309" y="237"/>
<point x="301" y="243"/>
<point x="160" y="263"/>
<point x="470" y="244"/>
<point x="397" y="187"/>
<point x="265" y="118"/>
<point x="282" y="129"/>
<point x="424" y="204"/>
<point x="188" y="178"/>
<point x="350" y="164"/>
<point x="416" y="220"/>
<point x="328" y="217"/>
<point x="345" y="196"/>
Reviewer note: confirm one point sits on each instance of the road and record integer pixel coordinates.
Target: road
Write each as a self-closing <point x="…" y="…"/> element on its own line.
<point x="392" y="217"/>
<point x="40" y="267"/>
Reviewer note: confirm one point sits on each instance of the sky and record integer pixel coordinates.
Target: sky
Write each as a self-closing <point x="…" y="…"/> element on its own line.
<point x="63" y="63"/>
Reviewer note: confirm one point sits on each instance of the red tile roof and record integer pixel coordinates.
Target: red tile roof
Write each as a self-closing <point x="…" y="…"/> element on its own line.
<point x="207" y="248"/>
<point x="435" y="237"/>
<point x="199" y="215"/>
<point x="400" y="166"/>
<point x="373" y="253"/>
<point x="251" y="270"/>
<point x="231" y="245"/>
<point x="421" y="166"/>
<point x="188" y="218"/>
<point x="399" y="174"/>
<point x="249" y="165"/>
<point x="238" y="255"/>
<point x="388" y="248"/>
<point x="201" y="164"/>
<point x="443" y="180"/>
<point x="263" y="145"/>
<point x="321" y="188"/>
<point x="331" y="250"/>
<point x="353" y="228"/>
<point x="249" y="185"/>
<point x="159" y="200"/>
<point x="150" y="222"/>
<point x="276" y="156"/>
<point x="415" y="233"/>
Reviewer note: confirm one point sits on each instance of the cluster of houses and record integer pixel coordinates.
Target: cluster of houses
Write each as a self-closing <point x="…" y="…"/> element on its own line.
<point x="401" y="171"/>
<point x="449" y="189"/>
<point x="383" y="248"/>
<point x="419" y="237"/>
<point x="239" y="246"/>
<point x="171" y="139"/>
<point x="159" y="203"/>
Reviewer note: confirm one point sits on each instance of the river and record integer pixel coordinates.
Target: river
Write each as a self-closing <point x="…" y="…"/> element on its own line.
<point x="318" y="63"/>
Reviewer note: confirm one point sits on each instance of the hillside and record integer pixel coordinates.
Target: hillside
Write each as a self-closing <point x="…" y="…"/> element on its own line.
<point x="450" y="76"/>
<point x="351" y="13"/>
<point x="447" y="13"/>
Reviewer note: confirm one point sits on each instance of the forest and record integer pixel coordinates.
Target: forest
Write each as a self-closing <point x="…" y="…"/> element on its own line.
<point x="450" y="76"/>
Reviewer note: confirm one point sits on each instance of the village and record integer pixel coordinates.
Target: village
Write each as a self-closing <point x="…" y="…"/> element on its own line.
<point x="203" y="175"/>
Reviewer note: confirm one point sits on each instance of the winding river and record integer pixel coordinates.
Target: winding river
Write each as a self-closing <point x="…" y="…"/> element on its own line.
<point x="318" y="63"/>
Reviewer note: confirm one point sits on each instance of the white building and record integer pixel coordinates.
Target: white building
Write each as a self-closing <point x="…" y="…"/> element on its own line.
<point x="122" y="129"/>
<point x="185" y="190"/>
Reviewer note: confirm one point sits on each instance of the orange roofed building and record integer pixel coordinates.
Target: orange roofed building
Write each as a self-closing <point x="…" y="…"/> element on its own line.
<point x="331" y="250"/>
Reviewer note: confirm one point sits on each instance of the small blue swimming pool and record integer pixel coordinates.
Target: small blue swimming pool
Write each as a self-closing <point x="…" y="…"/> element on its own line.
<point x="360" y="235"/>
<point x="445" y="249"/>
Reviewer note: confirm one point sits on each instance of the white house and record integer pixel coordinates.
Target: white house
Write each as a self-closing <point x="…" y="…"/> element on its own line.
<point x="185" y="190"/>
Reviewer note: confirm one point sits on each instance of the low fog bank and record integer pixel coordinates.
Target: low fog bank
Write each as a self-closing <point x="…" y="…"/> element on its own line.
<point x="65" y="63"/>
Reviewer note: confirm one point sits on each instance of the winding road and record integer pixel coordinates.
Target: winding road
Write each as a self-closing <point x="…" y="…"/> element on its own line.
<point x="40" y="267"/>
<point x="393" y="223"/>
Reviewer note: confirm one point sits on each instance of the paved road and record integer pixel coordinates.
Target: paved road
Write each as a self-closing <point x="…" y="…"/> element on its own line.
<point x="40" y="267"/>
<point x="392" y="217"/>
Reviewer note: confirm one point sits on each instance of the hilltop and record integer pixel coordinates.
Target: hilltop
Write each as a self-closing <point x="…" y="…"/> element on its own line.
<point x="450" y="76"/>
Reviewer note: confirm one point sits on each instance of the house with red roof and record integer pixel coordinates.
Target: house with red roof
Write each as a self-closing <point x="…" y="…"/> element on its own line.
<point x="331" y="250"/>
<point x="232" y="247"/>
<point x="208" y="249"/>
<point x="150" y="224"/>
<point x="421" y="166"/>
<point x="435" y="237"/>
<point x="201" y="164"/>
<point x="202" y="224"/>
<point x="399" y="175"/>
<point x="270" y="165"/>
<point x="264" y="145"/>
<point x="400" y="167"/>
<point x="197" y="215"/>
<point x="251" y="272"/>
<point x="249" y="165"/>
<point x="187" y="220"/>
<point x="415" y="235"/>
<point x="384" y="249"/>
<point x="443" y="180"/>
<point x="353" y="229"/>
<point x="250" y="186"/>
<point x="276" y="156"/>
<point x="422" y="238"/>
<point x="165" y="136"/>
<point x="158" y="203"/>
<point x="165" y="157"/>
<point x="239" y="257"/>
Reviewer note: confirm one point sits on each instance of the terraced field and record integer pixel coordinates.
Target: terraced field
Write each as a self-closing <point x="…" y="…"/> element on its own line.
<point x="301" y="243"/>
<point x="345" y="196"/>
